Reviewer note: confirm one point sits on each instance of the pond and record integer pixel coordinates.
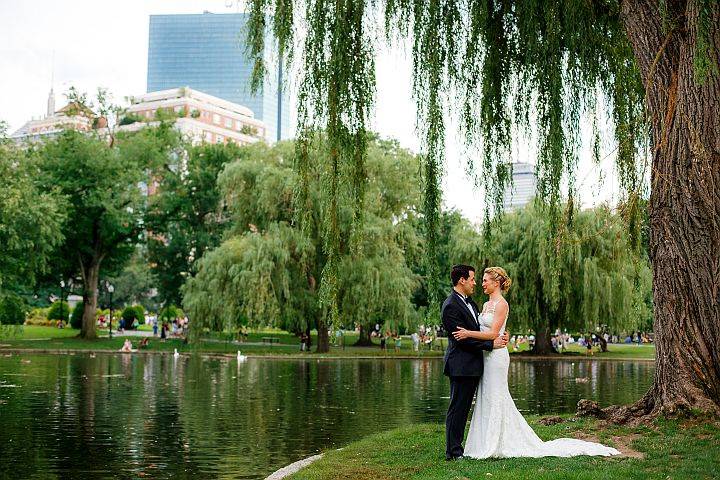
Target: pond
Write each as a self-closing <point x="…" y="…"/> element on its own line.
<point x="123" y="416"/>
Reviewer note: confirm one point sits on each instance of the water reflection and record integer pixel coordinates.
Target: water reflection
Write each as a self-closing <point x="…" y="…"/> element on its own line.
<point x="190" y="417"/>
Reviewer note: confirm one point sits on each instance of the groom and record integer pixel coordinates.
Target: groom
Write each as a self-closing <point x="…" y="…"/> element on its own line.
<point x="463" y="358"/>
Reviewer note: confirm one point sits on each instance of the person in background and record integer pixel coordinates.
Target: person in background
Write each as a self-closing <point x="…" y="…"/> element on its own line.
<point x="398" y="342"/>
<point x="127" y="346"/>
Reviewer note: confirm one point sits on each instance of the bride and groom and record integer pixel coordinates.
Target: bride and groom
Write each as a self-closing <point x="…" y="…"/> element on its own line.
<point x="477" y="362"/>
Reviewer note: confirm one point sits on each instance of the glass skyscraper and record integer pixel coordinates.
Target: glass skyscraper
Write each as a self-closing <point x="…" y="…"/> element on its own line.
<point x="524" y="185"/>
<point x="206" y="52"/>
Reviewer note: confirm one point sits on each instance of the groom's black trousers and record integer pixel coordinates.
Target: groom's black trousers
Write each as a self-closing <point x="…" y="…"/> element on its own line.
<point x="462" y="390"/>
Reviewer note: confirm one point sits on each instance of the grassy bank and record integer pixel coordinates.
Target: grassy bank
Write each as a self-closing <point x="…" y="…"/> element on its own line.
<point x="53" y="339"/>
<point x="665" y="450"/>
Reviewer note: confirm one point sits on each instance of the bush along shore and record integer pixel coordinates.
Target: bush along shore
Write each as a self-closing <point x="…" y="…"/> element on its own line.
<point x="664" y="449"/>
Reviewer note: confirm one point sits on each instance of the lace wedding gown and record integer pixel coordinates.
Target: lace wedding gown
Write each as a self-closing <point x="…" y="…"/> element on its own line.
<point x="498" y="429"/>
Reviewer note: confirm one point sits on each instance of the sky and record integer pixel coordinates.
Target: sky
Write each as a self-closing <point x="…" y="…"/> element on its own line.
<point x="100" y="43"/>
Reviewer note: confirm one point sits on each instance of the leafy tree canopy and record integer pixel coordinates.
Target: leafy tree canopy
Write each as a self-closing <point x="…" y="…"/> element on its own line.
<point x="596" y="279"/>
<point x="268" y="270"/>
<point x="31" y="217"/>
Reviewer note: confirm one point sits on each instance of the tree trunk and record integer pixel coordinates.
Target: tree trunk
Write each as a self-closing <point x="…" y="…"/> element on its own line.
<point x="308" y="336"/>
<point x="684" y="206"/>
<point x="364" y="338"/>
<point x="602" y="342"/>
<point x="543" y="343"/>
<point x="323" y="345"/>
<point x="91" y="275"/>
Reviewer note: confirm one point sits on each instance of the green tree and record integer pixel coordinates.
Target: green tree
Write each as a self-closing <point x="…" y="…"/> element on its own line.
<point x="101" y="185"/>
<point x="59" y="311"/>
<point x="598" y="280"/>
<point x="186" y="216"/>
<point x="267" y="272"/>
<point x="31" y="218"/>
<point x="12" y="310"/>
<point x="414" y="246"/>
<point x="517" y="66"/>
<point x="76" y="318"/>
<point x="135" y="284"/>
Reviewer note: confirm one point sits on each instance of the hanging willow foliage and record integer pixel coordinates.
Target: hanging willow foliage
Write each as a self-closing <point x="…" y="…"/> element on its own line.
<point x="506" y="67"/>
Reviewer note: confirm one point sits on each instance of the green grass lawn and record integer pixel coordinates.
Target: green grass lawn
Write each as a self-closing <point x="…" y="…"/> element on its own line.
<point x="50" y="338"/>
<point x="669" y="449"/>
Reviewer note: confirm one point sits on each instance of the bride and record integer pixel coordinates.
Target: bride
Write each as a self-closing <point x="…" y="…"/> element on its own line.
<point x="497" y="428"/>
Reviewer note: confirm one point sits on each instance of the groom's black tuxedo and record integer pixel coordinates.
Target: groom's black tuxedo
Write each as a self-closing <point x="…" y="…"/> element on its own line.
<point x="462" y="358"/>
<point x="464" y="366"/>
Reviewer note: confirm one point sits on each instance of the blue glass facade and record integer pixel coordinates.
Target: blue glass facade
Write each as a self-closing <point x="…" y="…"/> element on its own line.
<point x="206" y="52"/>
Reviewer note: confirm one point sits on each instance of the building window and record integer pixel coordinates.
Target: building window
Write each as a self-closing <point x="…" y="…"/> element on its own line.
<point x="228" y="123"/>
<point x="216" y="118"/>
<point x="220" y="138"/>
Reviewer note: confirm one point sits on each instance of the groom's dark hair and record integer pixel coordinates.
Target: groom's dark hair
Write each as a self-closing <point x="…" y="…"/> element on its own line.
<point x="460" y="271"/>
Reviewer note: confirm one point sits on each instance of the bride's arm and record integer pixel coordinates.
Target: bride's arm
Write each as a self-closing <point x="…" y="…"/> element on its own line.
<point x="461" y="333"/>
<point x="501" y="311"/>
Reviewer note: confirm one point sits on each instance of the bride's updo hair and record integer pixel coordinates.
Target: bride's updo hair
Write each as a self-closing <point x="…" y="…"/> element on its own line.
<point x="499" y="274"/>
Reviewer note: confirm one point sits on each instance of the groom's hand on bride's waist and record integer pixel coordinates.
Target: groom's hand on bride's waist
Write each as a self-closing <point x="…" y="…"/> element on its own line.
<point x="501" y="342"/>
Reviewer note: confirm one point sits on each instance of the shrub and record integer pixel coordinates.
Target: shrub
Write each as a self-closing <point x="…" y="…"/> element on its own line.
<point x="140" y="313"/>
<point x="195" y="113"/>
<point x="130" y="118"/>
<point x="169" y="313"/>
<point x="77" y="314"/>
<point x="38" y="316"/>
<point x="129" y="314"/>
<point x="12" y="310"/>
<point x="59" y="311"/>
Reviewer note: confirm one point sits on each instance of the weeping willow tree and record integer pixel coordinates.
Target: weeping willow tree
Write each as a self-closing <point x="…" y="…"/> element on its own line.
<point x="511" y="65"/>
<point x="268" y="271"/>
<point x="597" y="279"/>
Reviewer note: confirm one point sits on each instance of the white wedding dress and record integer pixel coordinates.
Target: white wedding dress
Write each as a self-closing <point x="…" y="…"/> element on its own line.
<point x="498" y="429"/>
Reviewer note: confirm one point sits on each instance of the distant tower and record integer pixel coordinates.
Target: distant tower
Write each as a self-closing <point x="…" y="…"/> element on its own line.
<point x="51" y="98"/>
<point x="51" y="104"/>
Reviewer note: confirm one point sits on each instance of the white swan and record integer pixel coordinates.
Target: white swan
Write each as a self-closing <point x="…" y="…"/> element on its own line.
<point x="176" y="354"/>
<point x="241" y="357"/>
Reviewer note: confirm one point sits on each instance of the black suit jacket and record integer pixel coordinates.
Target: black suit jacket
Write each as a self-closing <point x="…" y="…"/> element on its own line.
<point x="463" y="358"/>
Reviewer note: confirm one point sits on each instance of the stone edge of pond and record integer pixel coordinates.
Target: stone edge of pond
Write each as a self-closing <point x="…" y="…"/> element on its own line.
<point x="293" y="467"/>
<point x="292" y="356"/>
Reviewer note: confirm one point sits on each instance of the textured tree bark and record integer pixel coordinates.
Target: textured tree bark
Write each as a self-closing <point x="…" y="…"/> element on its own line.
<point x="543" y="341"/>
<point x="364" y="338"/>
<point x="91" y="276"/>
<point x="323" y="345"/>
<point x="684" y="208"/>
<point x="602" y="342"/>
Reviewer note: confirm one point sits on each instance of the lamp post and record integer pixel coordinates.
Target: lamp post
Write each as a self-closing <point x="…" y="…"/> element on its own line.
<point x="62" y="309"/>
<point x="110" y="290"/>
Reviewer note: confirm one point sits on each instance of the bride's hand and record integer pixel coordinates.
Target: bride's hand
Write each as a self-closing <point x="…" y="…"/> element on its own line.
<point x="461" y="334"/>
